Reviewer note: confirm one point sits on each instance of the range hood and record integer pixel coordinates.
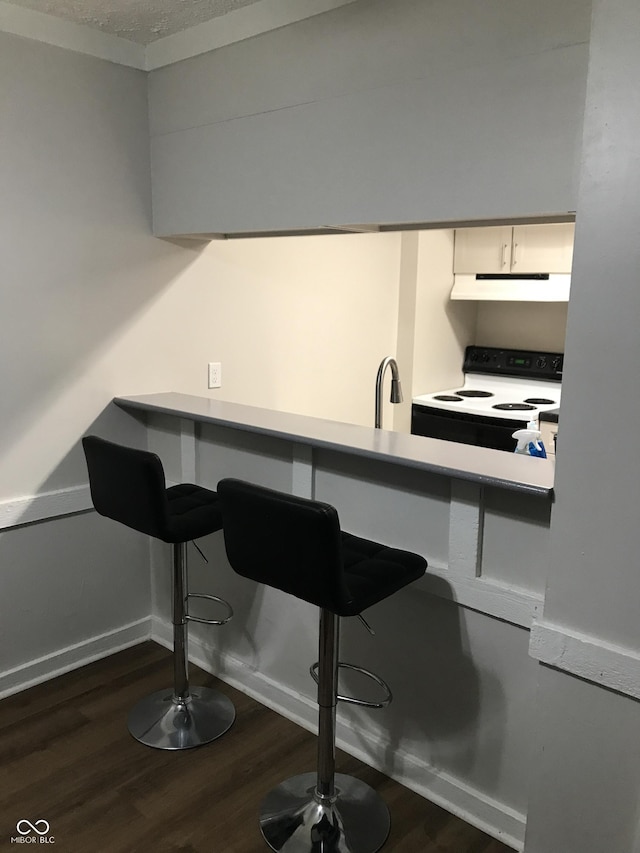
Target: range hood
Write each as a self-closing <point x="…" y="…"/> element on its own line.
<point x="537" y="287"/>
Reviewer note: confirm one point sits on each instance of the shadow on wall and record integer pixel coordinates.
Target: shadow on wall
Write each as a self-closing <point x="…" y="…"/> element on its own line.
<point x="442" y="702"/>
<point x="447" y="717"/>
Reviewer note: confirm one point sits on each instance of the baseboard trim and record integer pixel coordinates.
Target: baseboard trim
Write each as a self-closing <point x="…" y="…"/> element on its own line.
<point x="467" y="803"/>
<point x="64" y="660"/>
<point x="611" y="666"/>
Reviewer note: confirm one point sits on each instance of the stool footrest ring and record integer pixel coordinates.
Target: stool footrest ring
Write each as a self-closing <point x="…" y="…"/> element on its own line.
<point x="353" y="700"/>
<point x="201" y="619"/>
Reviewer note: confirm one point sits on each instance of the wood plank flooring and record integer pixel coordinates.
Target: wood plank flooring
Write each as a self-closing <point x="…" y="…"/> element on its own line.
<point x="66" y="757"/>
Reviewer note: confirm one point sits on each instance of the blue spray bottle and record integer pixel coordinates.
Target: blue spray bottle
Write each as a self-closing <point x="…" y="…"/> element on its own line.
<point x="529" y="443"/>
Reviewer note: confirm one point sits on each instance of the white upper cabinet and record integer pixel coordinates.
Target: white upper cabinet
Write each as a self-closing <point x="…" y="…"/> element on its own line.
<point x="542" y="248"/>
<point x="483" y="250"/>
<point x="517" y="249"/>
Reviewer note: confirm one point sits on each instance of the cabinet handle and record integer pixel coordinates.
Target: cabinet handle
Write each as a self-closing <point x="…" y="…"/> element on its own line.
<point x="505" y="246"/>
<point x="514" y="260"/>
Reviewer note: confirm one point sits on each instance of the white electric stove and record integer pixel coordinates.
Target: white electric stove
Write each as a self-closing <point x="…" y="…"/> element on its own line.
<point x="502" y="391"/>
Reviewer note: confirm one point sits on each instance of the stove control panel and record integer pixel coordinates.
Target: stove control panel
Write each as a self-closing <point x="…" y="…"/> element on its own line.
<point x="513" y="362"/>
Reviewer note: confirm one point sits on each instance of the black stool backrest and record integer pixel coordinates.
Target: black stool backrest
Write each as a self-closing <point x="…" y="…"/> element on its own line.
<point x="127" y="485"/>
<point x="284" y="541"/>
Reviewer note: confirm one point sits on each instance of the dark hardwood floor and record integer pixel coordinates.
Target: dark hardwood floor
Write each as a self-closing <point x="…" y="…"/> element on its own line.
<point x="67" y="758"/>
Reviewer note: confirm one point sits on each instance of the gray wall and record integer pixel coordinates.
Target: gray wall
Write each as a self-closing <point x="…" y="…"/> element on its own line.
<point x="74" y="226"/>
<point x="586" y="779"/>
<point x="375" y="112"/>
<point x="78" y="268"/>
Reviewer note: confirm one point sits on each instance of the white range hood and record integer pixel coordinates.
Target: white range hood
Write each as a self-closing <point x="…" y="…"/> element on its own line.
<point x="551" y="287"/>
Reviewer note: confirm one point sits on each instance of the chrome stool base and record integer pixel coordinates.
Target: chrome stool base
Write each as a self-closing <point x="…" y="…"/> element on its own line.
<point x="293" y="819"/>
<point x="162" y="722"/>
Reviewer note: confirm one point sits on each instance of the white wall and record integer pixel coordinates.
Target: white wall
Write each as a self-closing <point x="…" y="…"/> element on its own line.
<point x="299" y="323"/>
<point x="375" y="112"/>
<point x="526" y="325"/>
<point x="442" y="328"/>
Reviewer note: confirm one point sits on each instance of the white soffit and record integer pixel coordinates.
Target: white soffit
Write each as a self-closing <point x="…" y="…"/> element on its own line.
<point x="71" y="25"/>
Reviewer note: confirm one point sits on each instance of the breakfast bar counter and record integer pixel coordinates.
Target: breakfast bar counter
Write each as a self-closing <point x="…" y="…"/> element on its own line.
<point x="459" y="461"/>
<point x="458" y="635"/>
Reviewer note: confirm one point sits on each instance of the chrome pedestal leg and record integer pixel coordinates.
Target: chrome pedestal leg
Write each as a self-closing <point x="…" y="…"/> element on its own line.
<point x="183" y="717"/>
<point x="325" y="812"/>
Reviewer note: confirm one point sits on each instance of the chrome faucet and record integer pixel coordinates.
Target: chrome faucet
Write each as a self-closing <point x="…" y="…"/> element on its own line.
<point x="396" y="388"/>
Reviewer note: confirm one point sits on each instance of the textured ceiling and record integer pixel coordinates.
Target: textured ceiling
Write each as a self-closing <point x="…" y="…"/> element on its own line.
<point x="141" y="21"/>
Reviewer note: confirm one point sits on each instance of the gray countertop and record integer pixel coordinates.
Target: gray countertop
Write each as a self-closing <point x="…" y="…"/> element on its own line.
<point x="450" y="459"/>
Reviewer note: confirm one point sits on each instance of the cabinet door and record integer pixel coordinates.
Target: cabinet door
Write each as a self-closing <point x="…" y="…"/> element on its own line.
<point x="482" y="250"/>
<point x="542" y="248"/>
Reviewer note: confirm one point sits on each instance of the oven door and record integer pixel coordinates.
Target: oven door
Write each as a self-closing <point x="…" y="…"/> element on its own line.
<point x="464" y="428"/>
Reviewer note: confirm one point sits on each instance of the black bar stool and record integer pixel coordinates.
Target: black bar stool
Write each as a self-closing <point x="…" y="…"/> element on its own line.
<point x="128" y="485"/>
<point x="296" y="545"/>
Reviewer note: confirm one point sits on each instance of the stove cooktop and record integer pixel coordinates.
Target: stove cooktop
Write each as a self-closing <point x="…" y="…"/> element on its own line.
<point x="495" y="393"/>
<point x="503" y="397"/>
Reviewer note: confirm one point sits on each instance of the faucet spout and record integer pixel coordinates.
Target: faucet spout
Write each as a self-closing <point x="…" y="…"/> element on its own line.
<point x="396" y="387"/>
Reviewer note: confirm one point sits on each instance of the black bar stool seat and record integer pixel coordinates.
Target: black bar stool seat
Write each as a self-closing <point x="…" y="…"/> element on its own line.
<point x="128" y="486"/>
<point x="296" y="545"/>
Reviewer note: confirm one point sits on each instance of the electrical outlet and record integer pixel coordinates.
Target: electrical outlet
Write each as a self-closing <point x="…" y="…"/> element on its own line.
<point x="215" y="374"/>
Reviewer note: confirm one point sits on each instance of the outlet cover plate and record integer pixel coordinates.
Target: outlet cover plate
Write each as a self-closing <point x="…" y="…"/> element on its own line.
<point x="215" y="374"/>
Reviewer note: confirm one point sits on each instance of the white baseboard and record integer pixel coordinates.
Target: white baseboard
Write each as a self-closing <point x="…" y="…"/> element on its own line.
<point x="64" y="660"/>
<point x="444" y="789"/>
